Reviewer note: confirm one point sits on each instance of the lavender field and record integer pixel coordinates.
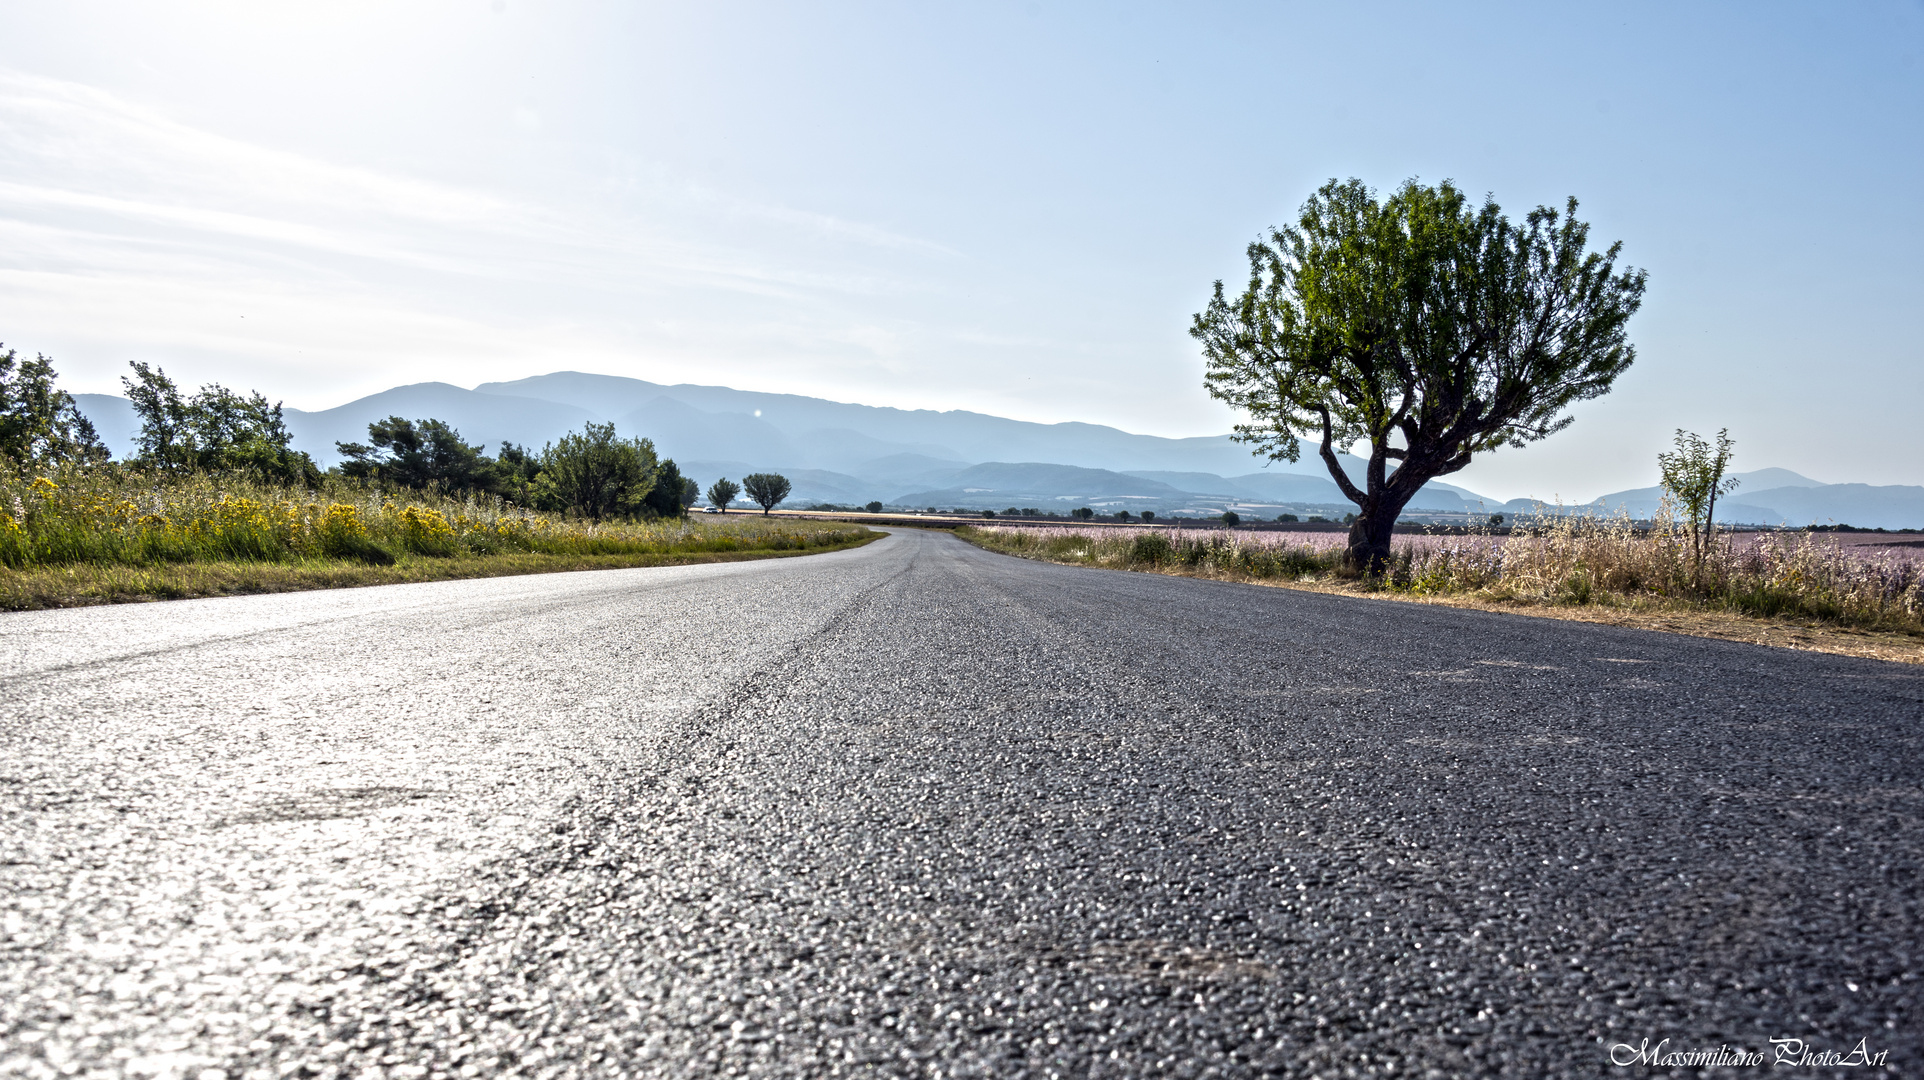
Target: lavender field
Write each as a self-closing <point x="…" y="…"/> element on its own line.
<point x="1860" y="579"/>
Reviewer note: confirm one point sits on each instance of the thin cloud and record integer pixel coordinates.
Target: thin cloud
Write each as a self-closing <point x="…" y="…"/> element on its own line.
<point x="108" y="167"/>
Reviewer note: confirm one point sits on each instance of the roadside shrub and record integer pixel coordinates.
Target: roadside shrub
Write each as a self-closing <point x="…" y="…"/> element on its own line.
<point x="1151" y="548"/>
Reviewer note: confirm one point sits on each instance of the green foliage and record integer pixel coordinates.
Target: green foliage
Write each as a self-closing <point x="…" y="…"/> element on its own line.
<point x="1152" y="548"/>
<point x="421" y="454"/>
<point x="214" y="431"/>
<point x="594" y="474"/>
<point x="1694" y="476"/>
<point x="1148" y="515"/>
<point x="1082" y="512"/>
<point x="39" y="423"/>
<point x="988" y="513"/>
<point x="1288" y="517"/>
<point x="722" y="492"/>
<point x="515" y="469"/>
<point x="665" y="499"/>
<point x="767" y="489"/>
<point x="1430" y="329"/>
<point x="874" y="506"/>
<point x="1230" y="517"/>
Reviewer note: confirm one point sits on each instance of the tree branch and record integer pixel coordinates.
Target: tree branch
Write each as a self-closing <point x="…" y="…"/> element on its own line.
<point x="1335" y="464"/>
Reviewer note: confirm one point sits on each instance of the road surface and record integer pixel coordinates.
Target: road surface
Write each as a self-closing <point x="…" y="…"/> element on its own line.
<point x="920" y="810"/>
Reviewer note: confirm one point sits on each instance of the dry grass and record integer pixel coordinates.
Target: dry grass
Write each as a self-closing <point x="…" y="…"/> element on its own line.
<point x="1676" y="617"/>
<point x="1787" y="590"/>
<point x="110" y="583"/>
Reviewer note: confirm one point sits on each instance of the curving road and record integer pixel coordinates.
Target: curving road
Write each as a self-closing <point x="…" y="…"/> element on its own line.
<point x="920" y="810"/>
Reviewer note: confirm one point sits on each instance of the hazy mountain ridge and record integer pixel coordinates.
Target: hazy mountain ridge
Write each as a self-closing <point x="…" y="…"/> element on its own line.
<point x="1782" y="497"/>
<point x="845" y="453"/>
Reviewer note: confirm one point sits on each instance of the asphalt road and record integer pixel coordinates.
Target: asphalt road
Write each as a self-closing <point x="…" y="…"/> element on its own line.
<point x="919" y="810"/>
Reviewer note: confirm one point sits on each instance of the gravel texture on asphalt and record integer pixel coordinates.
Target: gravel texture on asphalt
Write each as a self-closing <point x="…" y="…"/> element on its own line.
<point x="921" y="810"/>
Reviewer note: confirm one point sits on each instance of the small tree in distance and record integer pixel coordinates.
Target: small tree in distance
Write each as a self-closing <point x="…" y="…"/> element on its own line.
<point x="1694" y="476"/>
<point x="722" y="492"/>
<point x="1082" y="512"/>
<point x="1231" y="518"/>
<point x="767" y="489"/>
<point x="874" y="506"/>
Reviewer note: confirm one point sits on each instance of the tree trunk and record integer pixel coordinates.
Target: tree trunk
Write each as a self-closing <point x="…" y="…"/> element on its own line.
<point x="1369" y="537"/>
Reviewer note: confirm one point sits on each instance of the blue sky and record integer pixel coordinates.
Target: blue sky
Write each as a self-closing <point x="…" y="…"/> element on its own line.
<point x="1012" y="208"/>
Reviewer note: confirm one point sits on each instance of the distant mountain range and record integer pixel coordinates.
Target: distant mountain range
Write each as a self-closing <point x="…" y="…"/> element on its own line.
<point x="1781" y="497"/>
<point x="836" y="452"/>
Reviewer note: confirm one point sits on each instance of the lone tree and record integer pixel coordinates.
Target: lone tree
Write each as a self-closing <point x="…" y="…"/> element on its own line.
<point x="766" y="489"/>
<point x="1694" y="476"/>
<point x="722" y="492"/>
<point x="1430" y="328"/>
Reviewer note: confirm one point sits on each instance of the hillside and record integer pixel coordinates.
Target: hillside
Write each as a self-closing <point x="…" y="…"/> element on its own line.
<point x="839" y="452"/>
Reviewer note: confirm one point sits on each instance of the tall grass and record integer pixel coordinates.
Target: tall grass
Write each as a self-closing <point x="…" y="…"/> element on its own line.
<point x="1563" y="559"/>
<point x="115" y="516"/>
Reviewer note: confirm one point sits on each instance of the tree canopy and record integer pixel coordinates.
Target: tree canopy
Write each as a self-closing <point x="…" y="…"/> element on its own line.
<point x="722" y="492"/>
<point x="595" y="474"/>
<point x="1429" y="328"/>
<point x="39" y="422"/>
<point x="215" y="430"/>
<point x="673" y="493"/>
<point x="421" y="454"/>
<point x="767" y="489"/>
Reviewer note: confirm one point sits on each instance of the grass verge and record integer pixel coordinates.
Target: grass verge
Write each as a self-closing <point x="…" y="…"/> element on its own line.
<point x="110" y="583"/>
<point x="1885" y="629"/>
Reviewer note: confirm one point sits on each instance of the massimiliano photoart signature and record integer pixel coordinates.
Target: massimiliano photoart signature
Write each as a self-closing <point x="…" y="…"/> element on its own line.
<point x="1792" y="1052"/>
